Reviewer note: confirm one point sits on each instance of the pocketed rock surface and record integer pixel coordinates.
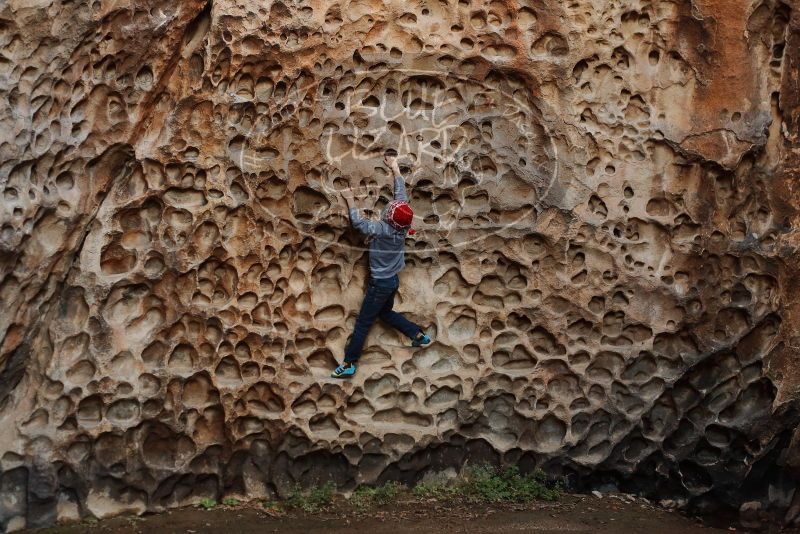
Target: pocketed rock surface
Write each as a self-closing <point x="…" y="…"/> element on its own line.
<point x="606" y="247"/>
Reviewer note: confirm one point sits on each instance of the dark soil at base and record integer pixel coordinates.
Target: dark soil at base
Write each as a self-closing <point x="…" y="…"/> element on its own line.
<point x="571" y="514"/>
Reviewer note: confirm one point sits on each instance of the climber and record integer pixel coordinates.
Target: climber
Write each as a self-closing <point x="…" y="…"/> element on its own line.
<point x="386" y="240"/>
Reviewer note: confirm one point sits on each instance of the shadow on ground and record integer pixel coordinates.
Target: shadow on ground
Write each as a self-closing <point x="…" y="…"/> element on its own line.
<point x="573" y="513"/>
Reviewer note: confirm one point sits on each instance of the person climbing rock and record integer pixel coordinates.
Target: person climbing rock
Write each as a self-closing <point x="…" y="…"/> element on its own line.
<point x="386" y="239"/>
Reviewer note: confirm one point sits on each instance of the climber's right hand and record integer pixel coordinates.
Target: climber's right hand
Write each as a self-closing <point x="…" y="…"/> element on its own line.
<point x="349" y="196"/>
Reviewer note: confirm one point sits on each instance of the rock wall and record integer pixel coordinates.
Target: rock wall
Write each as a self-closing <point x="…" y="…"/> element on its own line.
<point x="606" y="247"/>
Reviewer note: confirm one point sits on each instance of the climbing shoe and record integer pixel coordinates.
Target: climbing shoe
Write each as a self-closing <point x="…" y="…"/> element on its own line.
<point x="422" y="340"/>
<point x="346" y="370"/>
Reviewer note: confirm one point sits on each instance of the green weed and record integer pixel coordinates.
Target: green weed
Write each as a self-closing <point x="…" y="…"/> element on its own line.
<point x="488" y="484"/>
<point x="367" y="496"/>
<point x="484" y="483"/>
<point x="312" y="500"/>
<point x="436" y="490"/>
<point x="208" y="503"/>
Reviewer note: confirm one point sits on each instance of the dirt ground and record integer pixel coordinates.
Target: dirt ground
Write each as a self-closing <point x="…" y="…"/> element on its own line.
<point x="572" y="514"/>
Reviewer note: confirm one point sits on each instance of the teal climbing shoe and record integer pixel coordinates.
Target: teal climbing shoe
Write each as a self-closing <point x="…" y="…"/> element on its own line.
<point x="422" y="341"/>
<point x="346" y="370"/>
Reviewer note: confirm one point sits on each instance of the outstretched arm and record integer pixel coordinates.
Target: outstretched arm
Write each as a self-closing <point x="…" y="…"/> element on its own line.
<point x="365" y="226"/>
<point x="399" y="183"/>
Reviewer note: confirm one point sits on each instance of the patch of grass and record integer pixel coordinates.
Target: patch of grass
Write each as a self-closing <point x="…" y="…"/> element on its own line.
<point x="477" y="484"/>
<point x="208" y="503"/>
<point x="436" y="490"/>
<point x="484" y="483"/>
<point x="231" y="501"/>
<point x="487" y="484"/>
<point x="312" y="500"/>
<point x="367" y="496"/>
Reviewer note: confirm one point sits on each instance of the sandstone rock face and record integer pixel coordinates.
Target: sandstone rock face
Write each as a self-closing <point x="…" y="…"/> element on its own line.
<point x="606" y="248"/>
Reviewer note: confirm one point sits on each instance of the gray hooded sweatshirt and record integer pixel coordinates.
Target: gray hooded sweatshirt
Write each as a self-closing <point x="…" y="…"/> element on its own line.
<point x="386" y="244"/>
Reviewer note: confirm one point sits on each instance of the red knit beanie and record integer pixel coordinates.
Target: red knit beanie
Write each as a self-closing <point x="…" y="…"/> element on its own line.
<point x="399" y="214"/>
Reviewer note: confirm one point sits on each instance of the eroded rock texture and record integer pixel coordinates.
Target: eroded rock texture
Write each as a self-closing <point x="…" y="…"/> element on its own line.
<point x="606" y="246"/>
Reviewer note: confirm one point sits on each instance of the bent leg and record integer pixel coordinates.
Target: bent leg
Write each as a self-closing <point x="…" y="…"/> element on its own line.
<point x="374" y="300"/>
<point x="397" y="321"/>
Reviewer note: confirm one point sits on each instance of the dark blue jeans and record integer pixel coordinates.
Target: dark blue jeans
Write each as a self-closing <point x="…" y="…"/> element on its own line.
<point x="377" y="304"/>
